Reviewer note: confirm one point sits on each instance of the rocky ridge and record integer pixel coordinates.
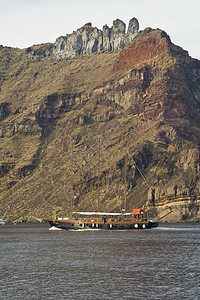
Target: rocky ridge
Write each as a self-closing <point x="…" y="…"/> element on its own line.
<point x="88" y="39"/>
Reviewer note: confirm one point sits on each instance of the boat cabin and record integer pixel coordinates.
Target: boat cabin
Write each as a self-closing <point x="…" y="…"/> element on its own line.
<point x="138" y="213"/>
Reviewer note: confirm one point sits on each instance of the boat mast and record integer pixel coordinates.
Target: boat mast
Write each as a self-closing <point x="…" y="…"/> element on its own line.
<point x="98" y="200"/>
<point x="125" y="184"/>
<point x="72" y="158"/>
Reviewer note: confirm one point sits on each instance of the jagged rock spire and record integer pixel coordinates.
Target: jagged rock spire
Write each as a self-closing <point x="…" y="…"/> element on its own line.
<point x="88" y="39"/>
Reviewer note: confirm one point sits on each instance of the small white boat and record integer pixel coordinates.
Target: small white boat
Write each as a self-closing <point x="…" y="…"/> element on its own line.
<point x="2" y="222"/>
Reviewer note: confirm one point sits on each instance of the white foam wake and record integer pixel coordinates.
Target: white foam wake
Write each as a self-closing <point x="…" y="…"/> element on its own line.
<point x="55" y="228"/>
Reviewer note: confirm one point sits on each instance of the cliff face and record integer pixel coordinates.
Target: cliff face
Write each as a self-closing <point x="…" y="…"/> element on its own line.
<point x="56" y="116"/>
<point x="88" y="39"/>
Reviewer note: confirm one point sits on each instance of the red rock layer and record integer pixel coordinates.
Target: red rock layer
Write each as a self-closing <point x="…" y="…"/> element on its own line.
<point x="149" y="46"/>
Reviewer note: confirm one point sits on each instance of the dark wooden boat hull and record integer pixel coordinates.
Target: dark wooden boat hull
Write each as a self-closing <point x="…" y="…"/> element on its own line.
<point x="61" y="224"/>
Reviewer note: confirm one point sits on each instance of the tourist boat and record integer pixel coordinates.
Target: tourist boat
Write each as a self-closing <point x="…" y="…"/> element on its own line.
<point x="2" y="222"/>
<point x="137" y="219"/>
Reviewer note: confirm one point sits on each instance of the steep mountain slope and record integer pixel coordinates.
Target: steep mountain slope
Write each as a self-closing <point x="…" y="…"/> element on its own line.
<point x="58" y="115"/>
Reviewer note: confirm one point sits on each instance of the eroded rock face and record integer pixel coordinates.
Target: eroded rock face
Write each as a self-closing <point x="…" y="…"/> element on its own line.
<point x="4" y="110"/>
<point x="145" y="99"/>
<point x="88" y="39"/>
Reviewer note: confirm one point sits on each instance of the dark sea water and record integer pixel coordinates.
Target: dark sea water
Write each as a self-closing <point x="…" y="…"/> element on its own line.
<point x="161" y="263"/>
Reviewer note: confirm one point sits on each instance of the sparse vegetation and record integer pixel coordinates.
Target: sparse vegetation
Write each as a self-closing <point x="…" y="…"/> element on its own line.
<point x="48" y="106"/>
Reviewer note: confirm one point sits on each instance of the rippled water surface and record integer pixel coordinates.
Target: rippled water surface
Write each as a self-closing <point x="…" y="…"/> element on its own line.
<point x="161" y="263"/>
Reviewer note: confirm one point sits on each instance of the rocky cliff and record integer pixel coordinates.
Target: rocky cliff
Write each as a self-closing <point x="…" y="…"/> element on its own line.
<point x="88" y="39"/>
<point x="64" y="121"/>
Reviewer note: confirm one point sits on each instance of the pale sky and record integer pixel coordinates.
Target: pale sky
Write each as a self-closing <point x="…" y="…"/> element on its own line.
<point x="27" y="22"/>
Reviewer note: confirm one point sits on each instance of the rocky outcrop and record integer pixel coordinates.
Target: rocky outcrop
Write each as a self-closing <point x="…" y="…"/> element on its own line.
<point x="4" y="110"/>
<point x="88" y="39"/>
